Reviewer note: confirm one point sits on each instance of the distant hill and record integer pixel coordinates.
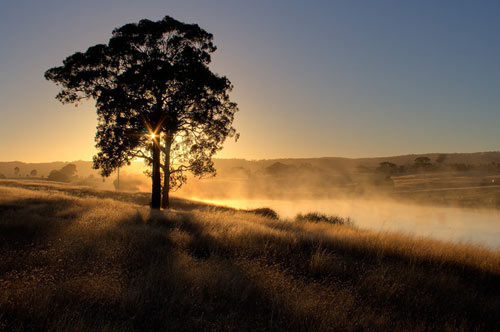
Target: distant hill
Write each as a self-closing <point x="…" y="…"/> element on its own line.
<point x="346" y="164"/>
<point x="475" y="158"/>
<point x="228" y="166"/>
<point x="84" y="168"/>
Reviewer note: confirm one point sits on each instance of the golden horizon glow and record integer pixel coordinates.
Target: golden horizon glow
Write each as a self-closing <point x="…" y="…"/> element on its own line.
<point x="298" y="97"/>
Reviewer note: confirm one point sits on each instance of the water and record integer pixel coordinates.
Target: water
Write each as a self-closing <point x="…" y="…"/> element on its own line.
<point x="479" y="227"/>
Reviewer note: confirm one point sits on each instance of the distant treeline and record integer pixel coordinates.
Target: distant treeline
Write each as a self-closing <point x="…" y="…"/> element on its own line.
<point x="17" y="173"/>
<point x="424" y="164"/>
<point x="66" y="174"/>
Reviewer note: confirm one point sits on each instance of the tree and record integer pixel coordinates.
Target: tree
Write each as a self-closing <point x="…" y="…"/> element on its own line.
<point x="422" y="161"/>
<point x="69" y="170"/>
<point x="387" y="168"/>
<point x="441" y="158"/>
<point x="16" y="171"/>
<point x="57" y="175"/>
<point x="65" y="174"/>
<point x="156" y="99"/>
<point x="33" y="172"/>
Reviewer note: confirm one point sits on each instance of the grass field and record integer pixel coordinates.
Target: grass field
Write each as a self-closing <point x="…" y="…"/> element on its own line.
<point x="470" y="190"/>
<point x="77" y="259"/>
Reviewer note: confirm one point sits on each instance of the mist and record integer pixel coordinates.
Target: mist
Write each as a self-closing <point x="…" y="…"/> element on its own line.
<point x="457" y="202"/>
<point x="468" y="226"/>
<point x="457" y="199"/>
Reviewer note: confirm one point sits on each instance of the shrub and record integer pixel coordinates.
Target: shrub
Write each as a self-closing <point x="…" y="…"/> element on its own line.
<point x="58" y="176"/>
<point x="266" y="212"/>
<point x="320" y="217"/>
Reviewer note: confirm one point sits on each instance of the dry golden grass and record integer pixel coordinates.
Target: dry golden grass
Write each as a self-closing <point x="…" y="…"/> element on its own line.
<point x="94" y="263"/>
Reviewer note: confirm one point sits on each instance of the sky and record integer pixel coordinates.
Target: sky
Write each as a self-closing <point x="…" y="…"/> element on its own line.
<point x="311" y="78"/>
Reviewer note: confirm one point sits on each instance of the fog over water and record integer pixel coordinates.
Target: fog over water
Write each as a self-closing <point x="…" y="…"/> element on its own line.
<point x="473" y="226"/>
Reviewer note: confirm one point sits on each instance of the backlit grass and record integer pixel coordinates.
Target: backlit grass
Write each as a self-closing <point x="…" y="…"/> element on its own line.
<point x="71" y="262"/>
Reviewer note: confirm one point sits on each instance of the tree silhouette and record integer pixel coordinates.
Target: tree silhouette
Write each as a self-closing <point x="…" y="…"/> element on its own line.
<point x="16" y="171"/>
<point x="69" y="170"/>
<point x="155" y="98"/>
<point x="423" y="163"/>
<point x="33" y="172"/>
<point x="387" y="168"/>
<point x="65" y="174"/>
<point x="441" y="158"/>
<point x="57" y="175"/>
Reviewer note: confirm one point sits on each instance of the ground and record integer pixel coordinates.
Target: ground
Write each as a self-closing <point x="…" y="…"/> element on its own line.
<point x="73" y="258"/>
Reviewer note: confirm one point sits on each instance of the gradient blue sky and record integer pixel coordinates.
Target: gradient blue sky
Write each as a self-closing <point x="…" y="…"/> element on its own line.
<point x="312" y="78"/>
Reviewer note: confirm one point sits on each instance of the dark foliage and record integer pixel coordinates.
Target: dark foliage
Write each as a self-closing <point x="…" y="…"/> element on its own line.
<point x="266" y="212"/>
<point x="320" y="217"/>
<point x="155" y="97"/>
<point x="65" y="174"/>
<point x="387" y="168"/>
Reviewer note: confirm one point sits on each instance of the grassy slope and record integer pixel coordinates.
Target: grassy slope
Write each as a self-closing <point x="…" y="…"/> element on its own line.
<point x="77" y="259"/>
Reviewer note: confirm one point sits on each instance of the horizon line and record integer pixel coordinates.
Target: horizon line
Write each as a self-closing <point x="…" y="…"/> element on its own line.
<point x="276" y="158"/>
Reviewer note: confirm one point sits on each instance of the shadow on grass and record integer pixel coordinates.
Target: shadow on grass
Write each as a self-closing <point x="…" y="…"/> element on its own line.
<point x="29" y="220"/>
<point x="135" y="276"/>
<point x="407" y="293"/>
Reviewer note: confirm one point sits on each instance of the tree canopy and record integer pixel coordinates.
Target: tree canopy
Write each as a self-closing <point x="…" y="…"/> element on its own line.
<point x="66" y="174"/>
<point x="387" y="168"/>
<point x="422" y="161"/>
<point x="441" y="158"/>
<point x="156" y="99"/>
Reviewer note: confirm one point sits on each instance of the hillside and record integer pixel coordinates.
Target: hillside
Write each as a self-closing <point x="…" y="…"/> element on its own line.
<point x="225" y="165"/>
<point x="338" y="163"/>
<point x="84" y="168"/>
<point x="87" y="260"/>
<point x="464" y="179"/>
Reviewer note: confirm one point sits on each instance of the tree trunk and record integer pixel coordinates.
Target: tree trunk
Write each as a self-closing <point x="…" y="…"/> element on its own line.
<point x="156" y="189"/>
<point x="165" y="203"/>
<point x="117" y="179"/>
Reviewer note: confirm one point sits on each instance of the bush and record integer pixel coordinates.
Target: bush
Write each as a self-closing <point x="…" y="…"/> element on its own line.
<point x="266" y="212"/>
<point x="58" y="176"/>
<point x="320" y="217"/>
<point x="65" y="174"/>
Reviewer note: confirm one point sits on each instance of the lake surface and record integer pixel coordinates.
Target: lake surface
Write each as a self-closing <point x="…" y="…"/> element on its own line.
<point x="479" y="227"/>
